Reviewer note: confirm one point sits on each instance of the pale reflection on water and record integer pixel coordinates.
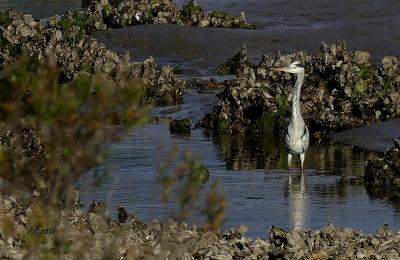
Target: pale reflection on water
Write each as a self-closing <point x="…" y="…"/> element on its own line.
<point x="297" y="201"/>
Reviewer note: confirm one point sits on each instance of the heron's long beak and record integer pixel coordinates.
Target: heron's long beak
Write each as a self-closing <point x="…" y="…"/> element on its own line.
<point x="280" y="69"/>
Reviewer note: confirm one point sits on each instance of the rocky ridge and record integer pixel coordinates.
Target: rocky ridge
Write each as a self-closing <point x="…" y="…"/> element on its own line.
<point x="342" y="90"/>
<point x="65" y="37"/>
<point x="91" y="232"/>
<point x="121" y="13"/>
<point x="382" y="175"/>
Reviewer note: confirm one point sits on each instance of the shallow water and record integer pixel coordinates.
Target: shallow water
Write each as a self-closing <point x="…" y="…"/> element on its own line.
<point x="252" y="172"/>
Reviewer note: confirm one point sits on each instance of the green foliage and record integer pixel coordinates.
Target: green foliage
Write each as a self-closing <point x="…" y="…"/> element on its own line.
<point x="188" y="180"/>
<point x="154" y="2"/>
<point x="224" y="69"/>
<point x="366" y="72"/>
<point x="188" y="10"/>
<point x="12" y="49"/>
<point x="281" y="101"/>
<point x="223" y="125"/>
<point x="5" y="19"/>
<point x="54" y="132"/>
<point x="83" y="20"/>
<point x="215" y="207"/>
<point x="233" y="64"/>
<point x="387" y="87"/>
<point x="263" y="86"/>
<point x="222" y="15"/>
<point x="267" y="122"/>
<point x="282" y="162"/>
<point x="107" y="9"/>
<point x="324" y="85"/>
<point x="360" y="87"/>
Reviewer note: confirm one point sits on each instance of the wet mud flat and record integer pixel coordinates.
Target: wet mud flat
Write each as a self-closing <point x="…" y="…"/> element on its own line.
<point x="198" y="51"/>
<point x="281" y="26"/>
<point x="42" y="8"/>
<point x="377" y="137"/>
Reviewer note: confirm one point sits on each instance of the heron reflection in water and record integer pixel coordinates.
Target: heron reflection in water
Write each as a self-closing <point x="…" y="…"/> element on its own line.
<point x="297" y="137"/>
<point x="297" y="201"/>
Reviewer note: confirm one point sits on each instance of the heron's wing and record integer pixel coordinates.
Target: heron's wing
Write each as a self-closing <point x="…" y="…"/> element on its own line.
<point x="305" y="138"/>
<point x="287" y="137"/>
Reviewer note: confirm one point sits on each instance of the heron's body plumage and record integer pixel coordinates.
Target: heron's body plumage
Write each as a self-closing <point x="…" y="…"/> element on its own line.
<point x="297" y="138"/>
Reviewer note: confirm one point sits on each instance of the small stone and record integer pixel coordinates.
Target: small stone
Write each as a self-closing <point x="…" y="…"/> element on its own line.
<point x="361" y="56"/>
<point x="348" y="91"/>
<point x="319" y="255"/>
<point x="122" y="214"/>
<point x="223" y="257"/>
<point x="204" y="23"/>
<point x="396" y="142"/>
<point x="378" y="113"/>
<point x="375" y="242"/>
<point x="242" y="229"/>
<point x="361" y="253"/>
<point x="157" y="250"/>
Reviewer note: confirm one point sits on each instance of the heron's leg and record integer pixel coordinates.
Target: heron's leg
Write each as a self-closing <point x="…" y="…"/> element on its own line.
<point x="289" y="159"/>
<point x="302" y="162"/>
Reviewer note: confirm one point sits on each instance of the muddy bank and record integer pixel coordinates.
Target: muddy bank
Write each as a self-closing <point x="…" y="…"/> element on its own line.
<point x="283" y="26"/>
<point x="94" y="235"/>
<point x="376" y="137"/>
<point x="35" y="7"/>
<point x="342" y="90"/>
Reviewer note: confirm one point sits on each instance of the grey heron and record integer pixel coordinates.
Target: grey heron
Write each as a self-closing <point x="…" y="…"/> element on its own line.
<point x="297" y="137"/>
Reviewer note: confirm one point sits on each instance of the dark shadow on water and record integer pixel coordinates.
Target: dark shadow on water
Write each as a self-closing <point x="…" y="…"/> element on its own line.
<point x="268" y="151"/>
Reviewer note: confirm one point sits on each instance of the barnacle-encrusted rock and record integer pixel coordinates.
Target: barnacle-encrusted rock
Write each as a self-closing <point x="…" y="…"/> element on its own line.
<point x="66" y="37"/>
<point x="341" y="90"/>
<point x="92" y="235"/>
<point x="180" y="126"/>
<point x="234" y="64"/>
<point x="122" y="13"/>
<point x="382" y="175"/>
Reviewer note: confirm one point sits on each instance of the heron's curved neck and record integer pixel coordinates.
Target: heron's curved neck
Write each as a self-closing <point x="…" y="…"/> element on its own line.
<point x="296" y="97"/>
